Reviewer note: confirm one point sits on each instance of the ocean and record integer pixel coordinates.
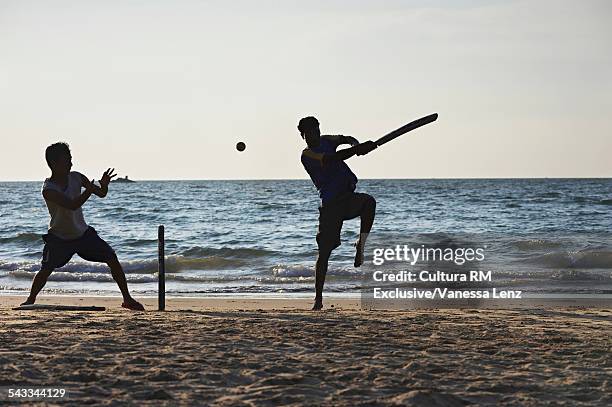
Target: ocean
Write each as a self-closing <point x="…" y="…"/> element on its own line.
<point x="546" y="236"/>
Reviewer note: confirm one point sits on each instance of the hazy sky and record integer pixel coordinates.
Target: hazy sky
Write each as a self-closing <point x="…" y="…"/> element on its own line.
<point x="164" y="89"/>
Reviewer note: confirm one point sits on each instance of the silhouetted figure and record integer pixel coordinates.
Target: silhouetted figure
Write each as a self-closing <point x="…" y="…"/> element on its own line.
<point x="336" y="185"/>
<point x="68" y="233"/>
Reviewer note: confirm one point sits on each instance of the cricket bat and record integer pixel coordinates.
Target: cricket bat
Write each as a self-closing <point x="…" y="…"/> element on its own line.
<point x="406" y="128"/>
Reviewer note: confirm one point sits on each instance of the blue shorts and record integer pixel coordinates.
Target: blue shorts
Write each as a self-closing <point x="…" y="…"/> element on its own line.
<point x="333" y="215"/>
<point x="57" y="252"/>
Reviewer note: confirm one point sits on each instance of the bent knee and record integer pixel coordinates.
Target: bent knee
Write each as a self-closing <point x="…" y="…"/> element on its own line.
<point x="113" y="262"/>
<point x="370" y="203"/>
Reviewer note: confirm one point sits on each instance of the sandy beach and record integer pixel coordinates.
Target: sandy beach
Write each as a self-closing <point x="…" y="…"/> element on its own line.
<point x="276" y="352"/>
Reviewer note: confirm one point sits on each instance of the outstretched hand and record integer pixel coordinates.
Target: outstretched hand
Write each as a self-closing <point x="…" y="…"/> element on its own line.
<point x="107" y="177"/>
<point x="364" y="148"/>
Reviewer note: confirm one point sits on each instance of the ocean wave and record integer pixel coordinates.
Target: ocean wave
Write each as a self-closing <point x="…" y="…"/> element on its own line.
<point x="178" y="263"/>
<point x="86" y="276"/>
<point x="300" y="271"/>
<point x="140" y="242"/>
<point x="542" y="276"/>
<point x="105" y="276"/>
<point x="586" y="259"/>
<point x="209" y="279"/>
<point x="549" y="195"/>
<point x="578" y="275"/>
<point x="270" y="205"/>
<point x="99" y="273"/>
<point x="254" y="289"/>
<point x="115" y="210"/>
<point x="535" y="244"/>
<point x="281" y="270"/>
<point x="225" y="252"/>
<point x="142" y="217"/>
<point x="174" y="263"/>
<point x="19" y="265"/>
<point x="591" y="200"/>
<point x="286" y="280"/>
<point x="23" y="238"/>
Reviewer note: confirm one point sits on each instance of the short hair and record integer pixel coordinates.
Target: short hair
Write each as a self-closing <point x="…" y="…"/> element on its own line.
<point x="307" y="123"/>
<point x="55" y="151"/>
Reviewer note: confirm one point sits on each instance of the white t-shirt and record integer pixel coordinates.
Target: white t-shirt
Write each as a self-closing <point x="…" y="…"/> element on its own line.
<point x="66" y="223"/>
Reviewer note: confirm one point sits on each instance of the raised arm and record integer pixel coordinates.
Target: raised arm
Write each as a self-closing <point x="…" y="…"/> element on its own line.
<point x="359" y="149"/>
<point x="340" y="139"/>
<point x="65" y="202"/>
<point x="349" y="140"/>
<point x="101" y="190"/>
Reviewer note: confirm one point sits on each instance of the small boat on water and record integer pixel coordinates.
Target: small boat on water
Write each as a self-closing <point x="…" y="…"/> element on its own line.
<point x="123" y="180"/>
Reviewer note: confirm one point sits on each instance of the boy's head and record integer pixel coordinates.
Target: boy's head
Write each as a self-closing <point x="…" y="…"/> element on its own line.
<point x="309" y="130"/>
<point x="59" y="158"/>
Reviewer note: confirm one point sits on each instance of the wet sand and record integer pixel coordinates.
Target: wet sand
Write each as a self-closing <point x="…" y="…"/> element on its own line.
<point x="276" y="352"/>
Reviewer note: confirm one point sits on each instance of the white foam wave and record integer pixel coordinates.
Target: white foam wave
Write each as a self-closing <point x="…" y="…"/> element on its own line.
<point x="286" y="280"/>
<point x="587" y="259"/>
<point x="174" y="263"/>
<point x="87" y="276"/>
<point x="299" y="270"/>
<point x="535" y="244"/>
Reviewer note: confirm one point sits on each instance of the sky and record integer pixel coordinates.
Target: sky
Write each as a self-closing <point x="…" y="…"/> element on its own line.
<point x="165" y="89"/>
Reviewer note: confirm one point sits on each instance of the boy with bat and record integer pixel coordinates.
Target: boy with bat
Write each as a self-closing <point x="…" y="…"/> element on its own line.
<point x="336" y="185"/>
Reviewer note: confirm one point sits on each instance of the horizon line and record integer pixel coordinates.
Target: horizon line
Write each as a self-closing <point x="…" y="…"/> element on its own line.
<point x="361" y="179"/>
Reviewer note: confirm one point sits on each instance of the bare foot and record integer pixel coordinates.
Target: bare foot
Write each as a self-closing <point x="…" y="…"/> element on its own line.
<point x="133" y="305"/>
<point x="28" y="302"/>
<point x="358" y="253"/>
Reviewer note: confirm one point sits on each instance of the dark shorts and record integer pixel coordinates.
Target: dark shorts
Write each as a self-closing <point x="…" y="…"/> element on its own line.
<point x="332" y="216"/>
<point x="57" y="252"/>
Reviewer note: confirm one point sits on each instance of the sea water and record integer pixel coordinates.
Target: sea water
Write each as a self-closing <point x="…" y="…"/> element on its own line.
<point x="258" y="237"/>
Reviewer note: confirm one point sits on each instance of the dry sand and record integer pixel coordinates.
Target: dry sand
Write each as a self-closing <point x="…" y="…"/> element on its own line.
<point x="276" y="352"/>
